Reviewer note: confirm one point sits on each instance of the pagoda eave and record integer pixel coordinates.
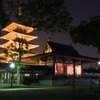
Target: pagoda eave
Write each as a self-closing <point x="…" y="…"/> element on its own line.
<point x="13" y="35"/>
<point x="7" y="44"/>
<point x="14" y="26"/>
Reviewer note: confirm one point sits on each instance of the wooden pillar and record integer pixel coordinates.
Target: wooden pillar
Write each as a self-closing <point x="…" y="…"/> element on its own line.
<point x="53" y="69"/>
<point x="8" y="74"/>
<point x="5" y="77"/>
<point x="64" y="67"/>
<point x="74" y="76"/>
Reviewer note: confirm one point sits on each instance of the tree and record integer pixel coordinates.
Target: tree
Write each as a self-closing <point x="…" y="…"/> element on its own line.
<point x="47" y="15"/>
<point x="3" y="18"/>
<point x="87" y="32"/>
<point x="15" y="51"/>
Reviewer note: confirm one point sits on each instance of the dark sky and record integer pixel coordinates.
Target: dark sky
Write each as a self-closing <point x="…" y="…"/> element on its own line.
<point x="80" y="10"/>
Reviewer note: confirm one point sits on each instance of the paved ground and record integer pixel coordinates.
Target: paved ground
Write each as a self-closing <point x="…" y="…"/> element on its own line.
<point x="43" y="93"/>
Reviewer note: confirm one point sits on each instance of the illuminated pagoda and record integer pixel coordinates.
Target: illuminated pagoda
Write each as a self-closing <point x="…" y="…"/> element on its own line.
<point x="18" y="36"/>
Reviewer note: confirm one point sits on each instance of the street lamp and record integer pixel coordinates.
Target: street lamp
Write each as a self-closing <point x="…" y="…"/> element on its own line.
<point x="98" y="69"/>
<point x="99" y="63"/>
<point x="12" y="66"/>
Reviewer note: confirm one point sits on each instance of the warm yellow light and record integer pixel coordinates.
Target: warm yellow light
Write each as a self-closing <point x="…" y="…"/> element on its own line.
<point x="14" y="26"/>
<point x="13" y="35"/>
<point x="16" y="32"/>
<point x="27" y="75"/>
<point x="8" y="44"/>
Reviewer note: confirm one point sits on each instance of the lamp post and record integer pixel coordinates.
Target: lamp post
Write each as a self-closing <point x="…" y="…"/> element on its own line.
<point x="99" y="77"/>
<point x="12" y="66"/>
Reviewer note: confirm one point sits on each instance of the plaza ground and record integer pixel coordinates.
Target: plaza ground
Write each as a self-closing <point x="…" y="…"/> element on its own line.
<point x="36" y="92"/>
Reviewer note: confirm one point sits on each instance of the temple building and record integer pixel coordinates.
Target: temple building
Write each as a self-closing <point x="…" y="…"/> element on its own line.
<point x="55" y="61"/>
<point x="64" y="61"/>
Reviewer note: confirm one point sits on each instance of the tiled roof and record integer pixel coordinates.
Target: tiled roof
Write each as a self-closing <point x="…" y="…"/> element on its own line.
<point x="68" y="50"/>
<point x="63" y="49"/>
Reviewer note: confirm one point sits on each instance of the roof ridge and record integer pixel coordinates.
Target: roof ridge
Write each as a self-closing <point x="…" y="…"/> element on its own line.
<point x="59" y="43"/>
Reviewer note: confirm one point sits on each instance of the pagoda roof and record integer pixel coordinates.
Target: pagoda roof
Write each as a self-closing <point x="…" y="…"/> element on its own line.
<point x="13" y="35"/>
<point x="14" y="26"/>
<point x="7" y="44"/>
<point x="5" y="59"/>
<point x="2" y="55"/>
<point x="28" y="55"/>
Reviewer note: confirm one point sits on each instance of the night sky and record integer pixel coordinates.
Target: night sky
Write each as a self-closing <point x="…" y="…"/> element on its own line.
<point x="80" y="10"/>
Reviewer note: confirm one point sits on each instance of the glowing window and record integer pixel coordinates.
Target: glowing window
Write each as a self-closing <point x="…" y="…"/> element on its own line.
<point x="78" y="69"/>
<point x="59" y="68"/>
<point x="27" y="75"/>
<point x="70" y="69"/>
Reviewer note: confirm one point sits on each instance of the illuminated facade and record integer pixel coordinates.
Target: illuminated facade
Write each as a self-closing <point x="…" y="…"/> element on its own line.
<point x="18" y="36"/>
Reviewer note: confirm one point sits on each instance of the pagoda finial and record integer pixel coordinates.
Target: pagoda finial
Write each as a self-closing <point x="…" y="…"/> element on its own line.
<point x="19" y="11"/>
<point x="49" y="39"/>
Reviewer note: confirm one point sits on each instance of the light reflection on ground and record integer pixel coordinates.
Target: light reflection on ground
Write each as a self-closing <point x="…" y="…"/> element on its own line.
<point x="10" y="89"/>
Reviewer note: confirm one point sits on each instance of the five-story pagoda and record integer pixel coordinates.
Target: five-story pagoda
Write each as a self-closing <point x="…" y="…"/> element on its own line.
<point x="18" y="44"/>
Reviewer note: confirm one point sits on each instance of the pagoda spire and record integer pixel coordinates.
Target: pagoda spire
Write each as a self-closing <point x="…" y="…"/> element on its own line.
<point x="20" y="12"/>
